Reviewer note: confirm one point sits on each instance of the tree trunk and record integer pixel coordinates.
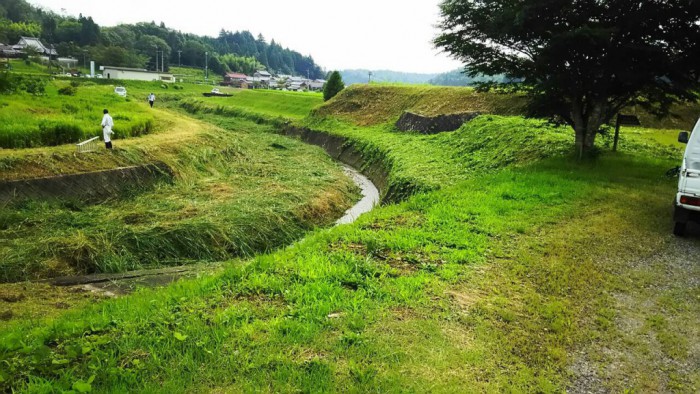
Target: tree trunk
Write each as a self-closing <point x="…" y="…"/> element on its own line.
<point x="586" y="125"/>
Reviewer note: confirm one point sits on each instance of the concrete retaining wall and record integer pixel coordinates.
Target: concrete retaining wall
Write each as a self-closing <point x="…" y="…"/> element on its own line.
<point x="345" y="151"/>
<point x="433" y="125"/>
<point x="85" y="186"/>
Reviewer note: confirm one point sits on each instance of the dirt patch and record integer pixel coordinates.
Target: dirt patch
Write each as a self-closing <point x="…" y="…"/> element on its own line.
<point x="654" y="341"/>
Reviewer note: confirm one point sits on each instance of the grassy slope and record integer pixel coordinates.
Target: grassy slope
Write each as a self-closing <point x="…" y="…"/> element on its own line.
<point x="491" y="283"/>
<point x="240" y="189"/>
<point x="367" y="105"/>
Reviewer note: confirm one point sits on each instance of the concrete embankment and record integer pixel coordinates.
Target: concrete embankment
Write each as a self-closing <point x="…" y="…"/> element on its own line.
<point x="85" y="186"/>
<point x="377" y="168"/>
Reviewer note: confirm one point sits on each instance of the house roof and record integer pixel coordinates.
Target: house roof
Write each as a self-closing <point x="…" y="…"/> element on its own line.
<point x="36" y="44"/>
<point x="263" y="72"/>
<point x="236" y="75"/>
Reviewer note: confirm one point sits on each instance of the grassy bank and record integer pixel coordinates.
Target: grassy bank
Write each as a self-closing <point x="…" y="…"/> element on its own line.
<point x="490" y="283"/>
<point x="510" y="268"/>
<point x="368" y="105"/>
<point x="238" y="190"/>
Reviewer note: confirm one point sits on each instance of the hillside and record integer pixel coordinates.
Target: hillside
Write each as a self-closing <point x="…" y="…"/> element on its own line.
<point x="371" y="105"/>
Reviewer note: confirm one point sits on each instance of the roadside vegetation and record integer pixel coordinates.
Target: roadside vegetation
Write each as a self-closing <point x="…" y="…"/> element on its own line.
<point x="483" y="278"/>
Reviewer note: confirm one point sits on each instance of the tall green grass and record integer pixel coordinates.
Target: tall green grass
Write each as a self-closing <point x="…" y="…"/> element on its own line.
<point x="53" y="119"/>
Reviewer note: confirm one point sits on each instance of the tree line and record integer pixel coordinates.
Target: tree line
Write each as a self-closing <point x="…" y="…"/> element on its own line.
<point x="146" y="44"/>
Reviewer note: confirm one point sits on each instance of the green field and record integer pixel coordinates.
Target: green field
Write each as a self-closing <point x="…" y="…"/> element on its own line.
<point x="508" y="266"/>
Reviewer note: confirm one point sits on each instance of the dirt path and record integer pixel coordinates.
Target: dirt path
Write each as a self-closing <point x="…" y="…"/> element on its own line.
<point x="653" y="344"/>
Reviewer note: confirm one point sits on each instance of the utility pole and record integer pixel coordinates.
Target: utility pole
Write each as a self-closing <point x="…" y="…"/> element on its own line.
<point x="84" y="58"/>
<point x="156" y="57"/>
<point x="162" y="61"/>
<point x="206" y="66"/>
<point x="179" y="63"/>
<point x="369" y="79"/>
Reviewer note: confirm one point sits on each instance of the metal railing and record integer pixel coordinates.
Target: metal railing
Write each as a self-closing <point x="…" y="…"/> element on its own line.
<point x="88" y="145"/>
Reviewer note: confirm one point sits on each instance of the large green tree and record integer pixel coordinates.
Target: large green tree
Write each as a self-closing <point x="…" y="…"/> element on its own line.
<point x="580" y="61"/>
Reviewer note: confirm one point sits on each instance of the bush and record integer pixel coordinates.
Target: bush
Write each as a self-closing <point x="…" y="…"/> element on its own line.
<point x="75" y="83"/>
<point x="178" y="87"/>
<point x="68" y="91"/>
<point x="35" y="86"/>
<point x="69" y="108"/>
<point x="8" y="83"/>
<point x="163" y="86"/>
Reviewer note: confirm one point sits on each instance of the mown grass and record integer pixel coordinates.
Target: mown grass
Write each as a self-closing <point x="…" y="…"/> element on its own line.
<point x="487" y="284"/>
<point x="499" y="276"/>
<point x="368" y="105"/>
<point x="237" y="192"/>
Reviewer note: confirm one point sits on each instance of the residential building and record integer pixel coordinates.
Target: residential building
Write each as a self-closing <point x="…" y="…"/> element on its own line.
<point x="235" y="79"/>
<point x="36" y="44"/>
<point x="136" y="74"/>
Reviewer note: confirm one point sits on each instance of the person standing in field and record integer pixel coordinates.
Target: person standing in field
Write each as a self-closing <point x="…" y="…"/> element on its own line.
<point x="151" y="99"/>
<point x="107" y="124"/>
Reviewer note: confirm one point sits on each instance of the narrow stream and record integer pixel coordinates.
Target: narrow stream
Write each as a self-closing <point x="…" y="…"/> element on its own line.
<point x="370" y="196"/>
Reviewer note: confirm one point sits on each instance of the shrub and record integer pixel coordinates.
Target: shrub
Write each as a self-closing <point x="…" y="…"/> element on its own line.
<point x="8" y="83"/>
<point x="68" y="91"/>
<point x="163" y="86"/>
<point x="178" y="87"/>
<point x="75" y="83"/>
<point x="69" y="108"/>
<point x="35" y="86"/>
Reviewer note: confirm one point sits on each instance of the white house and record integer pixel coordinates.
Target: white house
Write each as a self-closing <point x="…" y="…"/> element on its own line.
<point x="136" y="74"/>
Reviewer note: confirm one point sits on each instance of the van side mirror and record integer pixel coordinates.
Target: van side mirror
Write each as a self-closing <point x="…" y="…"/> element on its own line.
<point x="683" y="137"/>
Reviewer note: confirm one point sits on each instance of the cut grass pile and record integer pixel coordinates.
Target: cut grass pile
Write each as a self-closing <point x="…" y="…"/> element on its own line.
<point x="238" y="191"/>
<point x="487" y="284"/>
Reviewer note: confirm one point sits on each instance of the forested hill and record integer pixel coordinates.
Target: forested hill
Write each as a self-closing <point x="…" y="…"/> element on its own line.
<point x="134" y="45"/>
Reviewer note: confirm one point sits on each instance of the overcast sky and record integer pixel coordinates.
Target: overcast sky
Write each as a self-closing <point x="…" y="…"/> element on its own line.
<point x="372" y="34"/>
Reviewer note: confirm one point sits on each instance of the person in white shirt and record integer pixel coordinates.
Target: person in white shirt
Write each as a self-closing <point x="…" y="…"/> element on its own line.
<point x="151" y="99"/>
<point x="107" y="124"/>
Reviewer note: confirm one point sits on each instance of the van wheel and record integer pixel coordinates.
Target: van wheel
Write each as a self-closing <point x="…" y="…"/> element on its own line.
<point x="679" y="229"/>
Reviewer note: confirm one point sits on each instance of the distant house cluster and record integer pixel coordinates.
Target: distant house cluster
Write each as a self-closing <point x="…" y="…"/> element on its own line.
<point x="34" y="46"/>
<point x="263" y="79"/>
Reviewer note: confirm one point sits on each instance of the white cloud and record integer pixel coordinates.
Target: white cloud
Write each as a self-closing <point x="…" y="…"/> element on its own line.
<point x="373" y="34"/>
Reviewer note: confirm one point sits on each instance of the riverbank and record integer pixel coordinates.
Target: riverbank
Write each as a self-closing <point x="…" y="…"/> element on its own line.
<point x="508" y="266"/>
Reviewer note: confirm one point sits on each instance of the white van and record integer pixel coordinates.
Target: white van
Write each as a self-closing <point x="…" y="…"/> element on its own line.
<point x="687" y="206"/>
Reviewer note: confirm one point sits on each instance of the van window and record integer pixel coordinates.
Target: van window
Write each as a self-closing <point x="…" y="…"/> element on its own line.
<point x="692" y="158"/>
